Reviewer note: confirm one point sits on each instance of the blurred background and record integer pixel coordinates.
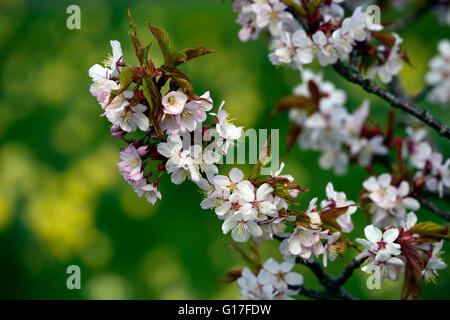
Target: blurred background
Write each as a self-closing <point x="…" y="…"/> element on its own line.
<point x="62" y="199"/>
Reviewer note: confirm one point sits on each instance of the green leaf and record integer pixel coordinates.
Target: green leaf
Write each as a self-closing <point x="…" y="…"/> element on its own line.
<point x="431" y="229"/>
<point x="126" y="78"/>
<point x="162" y="38"/>
<point x="153" y="97"/>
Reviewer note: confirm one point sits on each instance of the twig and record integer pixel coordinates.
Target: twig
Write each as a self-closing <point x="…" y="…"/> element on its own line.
<point x="432" y="207"/>
<point x="320" y="295"/>
<point x="415" y="16"/>
<point x="333" y="285"/>
<point x="352" y="75"/>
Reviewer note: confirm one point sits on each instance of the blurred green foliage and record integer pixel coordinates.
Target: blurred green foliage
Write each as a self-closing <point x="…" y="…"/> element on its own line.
<point x="62" y="199"/>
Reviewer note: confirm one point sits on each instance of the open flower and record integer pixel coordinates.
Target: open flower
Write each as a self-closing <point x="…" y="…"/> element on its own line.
<point x="174" y="102"/>
<point x="131" y="165"/>
<point x="242" y="226"/>
<point x="259" y="204"/>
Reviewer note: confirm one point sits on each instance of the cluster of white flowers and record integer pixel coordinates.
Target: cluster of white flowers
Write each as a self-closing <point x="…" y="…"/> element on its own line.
<point x="331" y="38"/>
<point x="271" y="283"/>
<point x="247" y="210"/>
<point x="122" y="111"/>
<point x="384" y="252"/>
<point x="438" y="77"/>
<point x="313" y="241"/>
<point x="388" y="202"/>
<point x="180" y="116"/>
<point x="334" y="131"/>
<point x="431" y="164"/>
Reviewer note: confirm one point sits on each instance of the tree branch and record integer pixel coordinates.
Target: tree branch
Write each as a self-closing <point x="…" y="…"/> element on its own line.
<point x="432" y="207"/>
<point x="352" y="75"/>
<point x="321" y="295"/>
<point x="415" y="16"/>
<point x="333" y="285"/>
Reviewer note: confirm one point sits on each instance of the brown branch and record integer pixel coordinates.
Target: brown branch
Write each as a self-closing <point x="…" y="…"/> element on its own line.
<point x="432" y="207"/>
<point x="352" y="74"/>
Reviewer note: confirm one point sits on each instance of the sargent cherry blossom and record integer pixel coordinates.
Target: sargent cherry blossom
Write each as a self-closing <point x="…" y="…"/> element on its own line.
<point x="339" y="200"/>
<point x="365" y="149"/>
<point x="331" y="248"/>
<point x="130" y="117"/>
<point x="148" y="190"/>
<point x="436" y="173"/>
<point x="415" y="148"/>
<point x="131" y="165"/>
<point x="434" y="263"/>
<point x="171" y="149"/>
<point x="381" y="191"/>
<point x="390" y="62"/>
<point x="234" y="183"/>
<point x="379" y="246"/>
<point x="259" y="204"/>
<point x="282" y="274"/>
<point x="174" y="102"/>
<point x="112" y="61"/>
<point x="242" y="226"/>
<point x="272" y="15"/>
<point x="438" y="77"/>
<point x="227" y="131"/>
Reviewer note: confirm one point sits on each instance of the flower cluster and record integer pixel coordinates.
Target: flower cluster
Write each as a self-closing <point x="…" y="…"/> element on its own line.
<point x="433" y="168"/>
<point x="438" y="77"/>
<point x="311" y="237"/>
<point x="328" y="127"/>
<point x="273" y="282"/>
<point x="389" y="203"/>
<point x="320" y="31"/>
<point x="388" y="253"/>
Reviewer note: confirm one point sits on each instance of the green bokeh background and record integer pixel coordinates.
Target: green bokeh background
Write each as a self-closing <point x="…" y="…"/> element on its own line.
<point x="62" y="199"/>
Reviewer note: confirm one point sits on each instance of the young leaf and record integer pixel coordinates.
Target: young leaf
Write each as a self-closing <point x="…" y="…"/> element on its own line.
<point x="295" y="102"/>
<point x="140" y="51"/>
<point x="413" y="268"/>
<point x="162" y="38"/>
<point x="431" y="229"/>
<point x="153" y="97"/>
<point x="384" y="37"/>
<point x="177" y="58"/>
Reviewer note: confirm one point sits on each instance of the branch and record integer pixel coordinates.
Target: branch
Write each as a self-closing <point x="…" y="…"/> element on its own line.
<point x="352" y="75"/>
<point x="432" y="207"/>
<point x="333" y="285"/>
<point x="321" y="295"/>
<point x="415" y="16"/>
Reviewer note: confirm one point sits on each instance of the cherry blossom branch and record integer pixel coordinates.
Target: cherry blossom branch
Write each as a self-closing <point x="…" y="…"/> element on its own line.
<point x="351" y="74"/>
<point x="413" y="17"/>
<point x="432" y="207"/>
<point x="323" y="295"/>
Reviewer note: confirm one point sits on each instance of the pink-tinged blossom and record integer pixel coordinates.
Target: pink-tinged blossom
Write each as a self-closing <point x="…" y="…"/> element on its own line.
<point x="339" y="200"/>
<point x="242" y="226"/>
<point x="131" y="165"/>
<point x="436" y="173"/>
<point x="438" y="76"/>
<point x="148" y="190"/>
<point x="415" y="149"/>
<point x="174" y="102"/>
